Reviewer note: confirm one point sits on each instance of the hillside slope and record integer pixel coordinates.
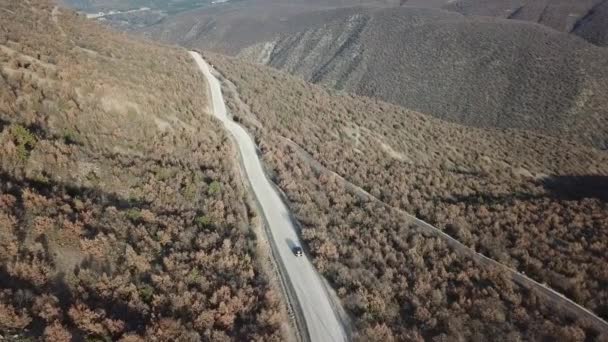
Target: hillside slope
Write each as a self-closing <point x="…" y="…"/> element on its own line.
<point x="530" y="201"/>
<point x="476" y="71"/>
<point x="585" y="18"/>
<point x="120" y="216"/>
<point x="230" y="27"/>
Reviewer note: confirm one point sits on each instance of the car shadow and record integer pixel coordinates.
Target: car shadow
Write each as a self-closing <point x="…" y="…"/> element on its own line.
<point x="292" y="244"/>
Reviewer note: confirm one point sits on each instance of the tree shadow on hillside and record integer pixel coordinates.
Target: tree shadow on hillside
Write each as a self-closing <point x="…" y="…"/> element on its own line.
<point x="26" y="291"/>
<point x="57" y="284"/>
<point x="559" y="187"/>
<point x="64" y="193"/>
<point x="3" y="123"/>
<point x="489" y="199"/>
<point x="577" y="187"/>
<point x="51" y="188"/>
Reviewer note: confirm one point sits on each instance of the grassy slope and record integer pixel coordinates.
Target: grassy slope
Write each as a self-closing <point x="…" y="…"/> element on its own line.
<point x="120" y="215"/>
<point x="505" y="193"/>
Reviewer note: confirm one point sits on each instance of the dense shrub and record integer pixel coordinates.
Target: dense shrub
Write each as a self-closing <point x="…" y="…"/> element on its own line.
<point x="106" y="155"/>
<point x="505" y="193"/>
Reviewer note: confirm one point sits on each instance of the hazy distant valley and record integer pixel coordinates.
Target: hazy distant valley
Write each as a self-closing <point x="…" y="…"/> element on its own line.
<point x="132" y="14"/>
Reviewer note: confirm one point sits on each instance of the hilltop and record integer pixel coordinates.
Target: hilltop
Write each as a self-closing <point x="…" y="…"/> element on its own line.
<point x="120" y="216"/>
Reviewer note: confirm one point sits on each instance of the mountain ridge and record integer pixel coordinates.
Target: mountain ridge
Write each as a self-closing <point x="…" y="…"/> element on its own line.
<point x="481" y="72"/>
<point x="587" y="18"/>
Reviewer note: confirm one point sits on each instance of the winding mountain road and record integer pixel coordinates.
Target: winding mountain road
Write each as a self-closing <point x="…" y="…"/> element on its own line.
<point x="314" y="302"/>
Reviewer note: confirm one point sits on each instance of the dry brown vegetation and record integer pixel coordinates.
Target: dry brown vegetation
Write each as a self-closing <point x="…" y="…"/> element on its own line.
<point x="120" y="216"/>
<point x="533" y="202"/>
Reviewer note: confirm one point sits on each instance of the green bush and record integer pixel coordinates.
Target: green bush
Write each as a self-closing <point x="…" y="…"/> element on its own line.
<point x="71" y="137"/>
<point x="193" y="276"/>
<point x="214" y="188"/>
<point x="203" y="221"/>
<point x="133" y="214"/>
<point x="146" y="292"/>
<point x="25" y="140"/>
<point x="190" y="191"/>
<point x="163" y="174"/>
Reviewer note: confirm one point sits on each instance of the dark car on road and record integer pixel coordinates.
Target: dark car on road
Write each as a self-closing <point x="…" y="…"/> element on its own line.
<point x="297" y="251"/>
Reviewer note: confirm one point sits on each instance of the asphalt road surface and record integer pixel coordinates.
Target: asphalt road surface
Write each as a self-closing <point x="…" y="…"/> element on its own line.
<point x="322" y="319"/>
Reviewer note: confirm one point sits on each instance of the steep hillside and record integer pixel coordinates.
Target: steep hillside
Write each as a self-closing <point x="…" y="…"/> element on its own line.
<point x="120" y="216"/>
<point x="476" y="71"/>
<point x="594" y="25"/>
<point x="586" y="18"/>
<point x="532" y="202"/>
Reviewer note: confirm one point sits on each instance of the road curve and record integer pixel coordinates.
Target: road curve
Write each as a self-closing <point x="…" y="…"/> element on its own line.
<point x="322" y="319"/>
